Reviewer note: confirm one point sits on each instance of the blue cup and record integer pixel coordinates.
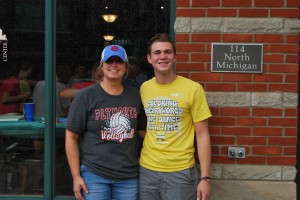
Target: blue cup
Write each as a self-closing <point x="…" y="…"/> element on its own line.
<point x="29" y="110"/>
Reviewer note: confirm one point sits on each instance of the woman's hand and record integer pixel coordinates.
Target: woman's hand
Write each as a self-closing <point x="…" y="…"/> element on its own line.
<point x="79" y="185"/>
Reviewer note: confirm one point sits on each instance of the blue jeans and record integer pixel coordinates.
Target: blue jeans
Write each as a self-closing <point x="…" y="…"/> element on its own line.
<point x="104" y="189"/>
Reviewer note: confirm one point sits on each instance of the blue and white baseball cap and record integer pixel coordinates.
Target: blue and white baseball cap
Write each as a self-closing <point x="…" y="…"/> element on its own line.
<point x="113" y="50"/>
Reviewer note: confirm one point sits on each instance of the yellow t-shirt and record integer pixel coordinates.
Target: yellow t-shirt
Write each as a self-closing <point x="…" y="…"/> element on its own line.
<point x="171" y="110"/>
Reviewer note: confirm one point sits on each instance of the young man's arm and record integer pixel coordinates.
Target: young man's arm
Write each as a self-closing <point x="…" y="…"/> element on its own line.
<point x="69" y="93"/>
<point x="204" y="154"/>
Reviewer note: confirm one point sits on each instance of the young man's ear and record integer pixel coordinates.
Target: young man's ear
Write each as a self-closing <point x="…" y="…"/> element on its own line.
<point x="149" y="58"/>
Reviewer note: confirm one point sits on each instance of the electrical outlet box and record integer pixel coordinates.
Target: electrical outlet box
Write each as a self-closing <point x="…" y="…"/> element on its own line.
<point x="236" y="152"/>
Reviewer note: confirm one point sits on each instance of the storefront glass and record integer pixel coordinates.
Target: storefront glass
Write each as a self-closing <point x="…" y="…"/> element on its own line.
<point x="24" y="79"/>
<point x="22" y="67"/>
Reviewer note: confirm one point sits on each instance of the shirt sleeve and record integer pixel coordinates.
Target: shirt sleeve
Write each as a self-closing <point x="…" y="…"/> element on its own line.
<point x="78" y="114"/>
<point x="200" y="109"/>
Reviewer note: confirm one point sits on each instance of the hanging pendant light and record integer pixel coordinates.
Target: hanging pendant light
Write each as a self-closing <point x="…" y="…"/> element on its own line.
<point x="108" y="37"/>
<point x="109" y="18"/>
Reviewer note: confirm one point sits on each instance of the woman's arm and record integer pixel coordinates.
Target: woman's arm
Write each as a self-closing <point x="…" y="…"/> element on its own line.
<point x="72" y="151"/>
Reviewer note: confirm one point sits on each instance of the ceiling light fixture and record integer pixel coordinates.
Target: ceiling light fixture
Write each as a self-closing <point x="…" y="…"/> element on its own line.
<point x="109" y="18"/>
<point x="108" y="37"/>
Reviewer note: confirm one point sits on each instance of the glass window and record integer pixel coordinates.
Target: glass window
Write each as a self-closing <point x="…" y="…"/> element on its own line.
<point x="80" y="38"/>
<point x="22" y="67"/>
<point x="81" y="31"/>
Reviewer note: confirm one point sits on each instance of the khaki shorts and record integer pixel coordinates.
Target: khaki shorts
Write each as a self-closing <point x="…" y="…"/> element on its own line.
<point x="181" y="185"/>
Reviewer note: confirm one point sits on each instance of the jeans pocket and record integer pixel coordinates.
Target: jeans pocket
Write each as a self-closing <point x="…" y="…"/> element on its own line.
<point x="191" y="174"/>
<point x="83" y="169"/>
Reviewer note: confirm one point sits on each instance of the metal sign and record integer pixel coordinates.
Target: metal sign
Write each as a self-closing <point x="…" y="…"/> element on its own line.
<point x="237" y="57"/>
<point x="3" y="46"/>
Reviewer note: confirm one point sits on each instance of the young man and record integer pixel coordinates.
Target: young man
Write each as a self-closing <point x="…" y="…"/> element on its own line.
<point x="176" y="110"/>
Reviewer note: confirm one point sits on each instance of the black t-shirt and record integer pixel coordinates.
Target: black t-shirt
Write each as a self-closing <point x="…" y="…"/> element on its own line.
<point x="107" y="125"/>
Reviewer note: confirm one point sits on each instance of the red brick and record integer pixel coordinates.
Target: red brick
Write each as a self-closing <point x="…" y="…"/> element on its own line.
<point x="237" y="37"/>
<point x="290" y="150"/>
<point x="214" y="130"/>
<point x="293" y="38"/>
<point x="252" y="12"/>
<point x="291" y="132"/>
<point x="269" y="38"/>
<point x="292" y="58"/>
<point x="208" y="67"/>
<point x="268" y="3"/>
<point x="235" y="111"/>
<point x="285" y="13"/>
<point x="268" y="78"/>
<point x="267" y="131"/>
<point x="182" y="12"/>
<point x="267" y="111"/>
<point x="224" y="150"/>
<point x="183" y="74"/>
<point x="291" y="78"/>
<point x="251" y="141"/>
<point x="221" y="12"/>
<point x="265" y="68"/>
<point x="215" y="150"/>
<point x="236" y="3"/>
<point x="184" y="47"/>
<point x="225" y="121"/>
<point x="220" y="87"/>
<point x="182" y="38"/>
<point x="242" y="87"/>
<point x="259" y="160"/>
<point x="236" y="131"/>
<point x="190" y="67"/>
<point x="206" y="77"/>
<point x="222" y="140"/>
<point x="251" y="121"/>
<point x="266" y="150"/>
<point x="283" y="68"/>
<point x="182" y="57"/>
<point x="215" y="111"/>
<point x="282" y="160"/>
<point x="203" y="57"/>
<point x="292" y="3"/>
<point x="273" y="58"/>
<point x="283" y="122"/>
<point x="206" y="37"/>
<point x="206" y="3"/>
<point x="237" y="77"/>
<point x="291" y="112"/>
<point x="283" y="88"/>
<point x="182" y="3"/>
<point x="282" y="141"/>
<point x="284" y="48"/>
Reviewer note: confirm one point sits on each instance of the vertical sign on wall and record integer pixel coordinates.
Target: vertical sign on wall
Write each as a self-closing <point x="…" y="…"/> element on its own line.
<point x="237" y="57"/>
<point x="3" y="46"/>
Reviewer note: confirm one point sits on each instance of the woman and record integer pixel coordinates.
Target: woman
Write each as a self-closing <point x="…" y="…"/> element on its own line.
<point x="101" y="134"/>
<point x="15" y="90"/>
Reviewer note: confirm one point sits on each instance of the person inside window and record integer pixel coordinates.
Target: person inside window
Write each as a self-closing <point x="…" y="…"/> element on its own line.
<point x="12" y="93"/>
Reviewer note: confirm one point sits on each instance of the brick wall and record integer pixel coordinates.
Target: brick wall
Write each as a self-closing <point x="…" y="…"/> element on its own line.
<point x="255" y="111"/>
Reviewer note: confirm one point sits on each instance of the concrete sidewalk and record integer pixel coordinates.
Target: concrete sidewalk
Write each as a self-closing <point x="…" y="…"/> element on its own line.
<point x="253" y="190"/>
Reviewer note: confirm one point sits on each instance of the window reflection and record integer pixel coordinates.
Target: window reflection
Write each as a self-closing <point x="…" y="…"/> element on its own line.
<point x="21" y="165"/>
<point x="79" y="41"/>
